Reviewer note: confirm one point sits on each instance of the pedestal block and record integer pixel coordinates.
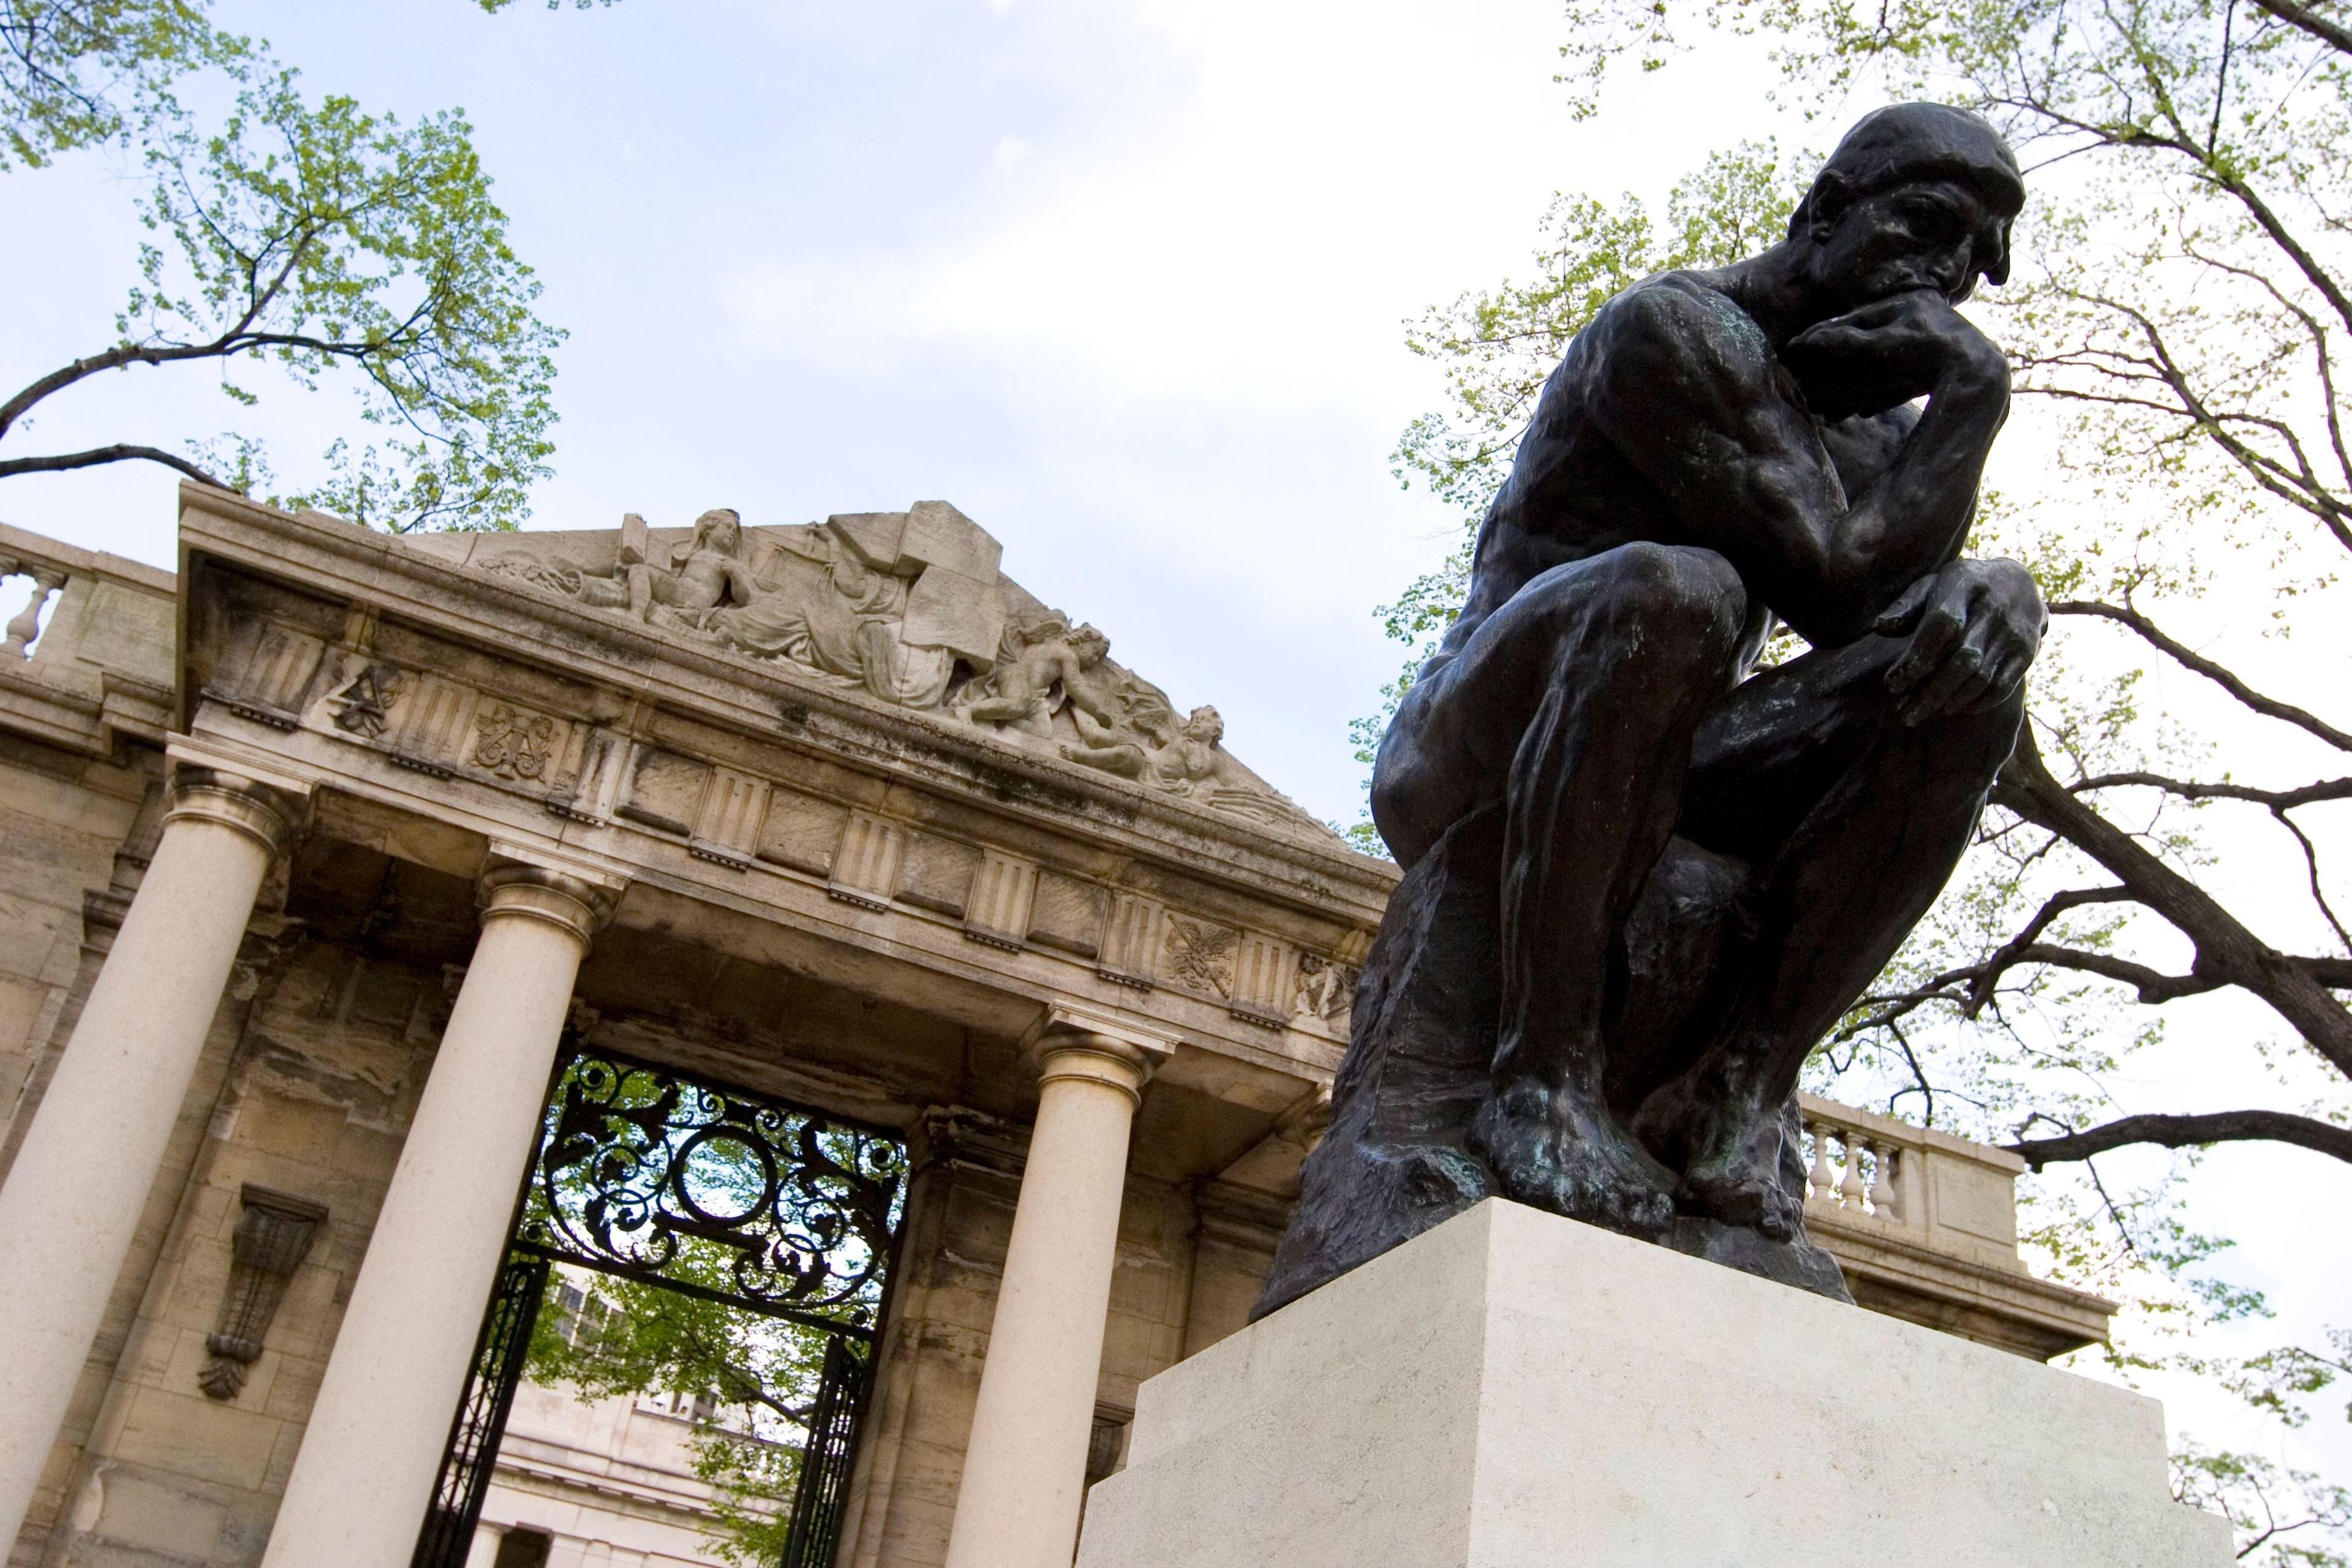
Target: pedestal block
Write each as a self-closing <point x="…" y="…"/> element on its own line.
<point x="1516" y="1390"/>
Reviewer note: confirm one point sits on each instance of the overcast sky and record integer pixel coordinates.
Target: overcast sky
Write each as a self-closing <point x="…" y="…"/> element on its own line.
<point x="1123" y="279"/>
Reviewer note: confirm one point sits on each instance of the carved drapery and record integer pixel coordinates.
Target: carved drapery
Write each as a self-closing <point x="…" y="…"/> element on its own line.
<point x="273" y="1237"/>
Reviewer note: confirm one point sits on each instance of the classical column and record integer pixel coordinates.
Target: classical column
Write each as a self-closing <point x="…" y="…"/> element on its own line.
<point x="364" y="1474"/>
<point x="1025" y="1463"/>
<point x="75" y="1194"/>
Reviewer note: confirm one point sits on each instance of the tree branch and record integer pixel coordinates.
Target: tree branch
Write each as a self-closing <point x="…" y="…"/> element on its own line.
<point x="2225" y="949"/>
<point x="2335" y="37"/>
<point x="2189" y="789"/>
<point x="2153" y="984"/>
<point x="120" y="452"/>
<point x="2191" y="1132"/>
<point x="2269" y="707"/>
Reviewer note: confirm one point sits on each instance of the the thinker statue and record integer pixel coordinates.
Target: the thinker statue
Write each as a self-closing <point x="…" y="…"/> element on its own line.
<point x="1644" y="878"/>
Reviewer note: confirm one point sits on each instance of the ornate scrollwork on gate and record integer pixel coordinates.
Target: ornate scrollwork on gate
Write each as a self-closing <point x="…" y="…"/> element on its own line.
<point x="652" y="1175"/>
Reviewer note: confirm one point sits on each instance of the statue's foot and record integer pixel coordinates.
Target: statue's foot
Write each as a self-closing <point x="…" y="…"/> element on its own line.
<point x="1744" y="1190"/>
<point x="1551" y="1151"/>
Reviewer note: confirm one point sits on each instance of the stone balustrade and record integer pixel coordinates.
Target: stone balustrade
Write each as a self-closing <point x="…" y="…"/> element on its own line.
<point x="1924" y="1226"/>
<point x="86" y="652"/>
<point x="23" y="628"/>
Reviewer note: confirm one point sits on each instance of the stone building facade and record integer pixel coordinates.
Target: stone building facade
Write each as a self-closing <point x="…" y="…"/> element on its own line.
<point x="316" y="855"/>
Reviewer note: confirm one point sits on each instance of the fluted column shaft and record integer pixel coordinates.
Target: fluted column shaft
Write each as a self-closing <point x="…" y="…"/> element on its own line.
<point x="364" y="1476"/>
<point x="81" y="1177"/>
<point x="1024" y="1462"/>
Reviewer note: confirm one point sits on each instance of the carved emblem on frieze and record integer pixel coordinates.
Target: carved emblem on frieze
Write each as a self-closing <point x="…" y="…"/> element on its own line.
<point x="362" y="705"/>
<point x="1201" y="954"/>
<point x="512" y="743"/>
<point x="1326" y="990"/>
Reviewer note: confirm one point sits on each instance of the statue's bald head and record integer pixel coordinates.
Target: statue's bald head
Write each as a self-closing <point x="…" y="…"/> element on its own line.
<point x="1906" y="143"/>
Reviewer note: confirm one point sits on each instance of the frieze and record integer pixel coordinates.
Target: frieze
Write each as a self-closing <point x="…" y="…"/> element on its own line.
<point x="729" y="816"/>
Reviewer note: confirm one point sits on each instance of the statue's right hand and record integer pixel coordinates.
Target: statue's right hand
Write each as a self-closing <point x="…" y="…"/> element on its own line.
<point x="1891" y="350"/>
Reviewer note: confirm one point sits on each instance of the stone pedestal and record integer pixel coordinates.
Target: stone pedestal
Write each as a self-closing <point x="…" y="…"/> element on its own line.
<point x="1516" y="1390"/>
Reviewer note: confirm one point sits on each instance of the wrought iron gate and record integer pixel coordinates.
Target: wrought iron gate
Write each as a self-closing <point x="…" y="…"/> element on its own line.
<point x="668" y="1179"/>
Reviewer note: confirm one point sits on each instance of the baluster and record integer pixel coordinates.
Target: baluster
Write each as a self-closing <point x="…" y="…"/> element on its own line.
<point x="1819" y="1182"/>
<point x="1853" y="1191"/>
<point x="26" y="625"/>
<point x="1885" y="1200"/>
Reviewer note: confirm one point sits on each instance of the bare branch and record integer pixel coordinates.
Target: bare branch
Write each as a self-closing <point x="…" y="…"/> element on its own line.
<point x="2189" y="789"/>
<point x="2153" y="984"/>
<point x="2296" y="989"/>
<point x="118" y="453"/>
<point x="2335" y="37"/>
<point x="2012" y="953"/>
<point x="2269" y="707"/>
<point x="2191" y="1132"/>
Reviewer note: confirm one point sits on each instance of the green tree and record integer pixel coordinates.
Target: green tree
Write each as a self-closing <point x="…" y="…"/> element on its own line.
<point x="71" y="69"/>
<point x="2177" y="322"/>
<point x="302" y="232"/>
<point x="756" y="1376"/>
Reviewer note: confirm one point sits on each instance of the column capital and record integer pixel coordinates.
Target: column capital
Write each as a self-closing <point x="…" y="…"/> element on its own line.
<point x="270" y="814"/>
<point x="1074" y="1041"/>
<point x="577" y="899"/>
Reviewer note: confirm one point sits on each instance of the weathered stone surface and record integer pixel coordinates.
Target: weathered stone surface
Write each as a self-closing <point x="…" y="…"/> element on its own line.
<point x="1516" y="1390"/>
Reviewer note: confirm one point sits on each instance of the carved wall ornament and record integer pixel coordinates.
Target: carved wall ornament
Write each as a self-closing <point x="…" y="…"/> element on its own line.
<point x="273" y="1237"/>
<point x="1325" y="990"/>
<point x="510" y="743"/>
<point x="362" y="706"/>
<point x="1201" y="954"/>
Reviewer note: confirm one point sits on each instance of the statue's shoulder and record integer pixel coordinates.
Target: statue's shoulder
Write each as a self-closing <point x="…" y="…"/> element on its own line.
<point x="1674" y="341"/>
<point x="1683" y="310"/>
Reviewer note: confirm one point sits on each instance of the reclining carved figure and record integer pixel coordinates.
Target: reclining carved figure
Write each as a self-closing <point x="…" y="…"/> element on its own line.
<point x="1643" y="877"/>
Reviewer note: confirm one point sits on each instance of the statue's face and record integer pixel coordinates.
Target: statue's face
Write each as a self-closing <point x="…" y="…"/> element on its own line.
<point x="725" y="532"/>
<point x="1919" y="234"/>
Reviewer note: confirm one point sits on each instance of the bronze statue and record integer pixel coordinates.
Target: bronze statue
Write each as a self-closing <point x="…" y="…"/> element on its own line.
<point x="1643" y="877"/>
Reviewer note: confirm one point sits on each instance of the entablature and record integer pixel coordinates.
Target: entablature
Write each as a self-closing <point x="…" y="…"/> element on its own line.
<point x="439" y="709"/>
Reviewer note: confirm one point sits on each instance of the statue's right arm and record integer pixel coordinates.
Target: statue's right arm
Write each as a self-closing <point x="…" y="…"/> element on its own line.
<point x="1685" y="386"/>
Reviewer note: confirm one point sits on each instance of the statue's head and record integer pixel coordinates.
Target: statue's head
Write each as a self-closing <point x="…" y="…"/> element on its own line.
<point x="720" y="528"/>
<point x="1205" y="725"/>
<point x="1917" y="195"/>
<point x="1091" y="647"/>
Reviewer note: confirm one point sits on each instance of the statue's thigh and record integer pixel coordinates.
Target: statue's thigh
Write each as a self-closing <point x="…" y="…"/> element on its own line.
<point x="1637" y="635"/>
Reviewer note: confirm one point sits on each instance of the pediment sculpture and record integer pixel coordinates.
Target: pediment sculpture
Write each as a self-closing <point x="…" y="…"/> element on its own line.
<point x="906" y="608"/>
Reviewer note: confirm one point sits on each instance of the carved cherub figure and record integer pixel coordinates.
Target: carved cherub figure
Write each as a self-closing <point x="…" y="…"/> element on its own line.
<point x="1044" y="665"/>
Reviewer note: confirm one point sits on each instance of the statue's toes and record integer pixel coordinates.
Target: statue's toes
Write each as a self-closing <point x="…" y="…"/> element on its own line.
<point x="1780" y="1216"/>
<point x="1647" y="1212"/>
<point x="1736" y="1200"/>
